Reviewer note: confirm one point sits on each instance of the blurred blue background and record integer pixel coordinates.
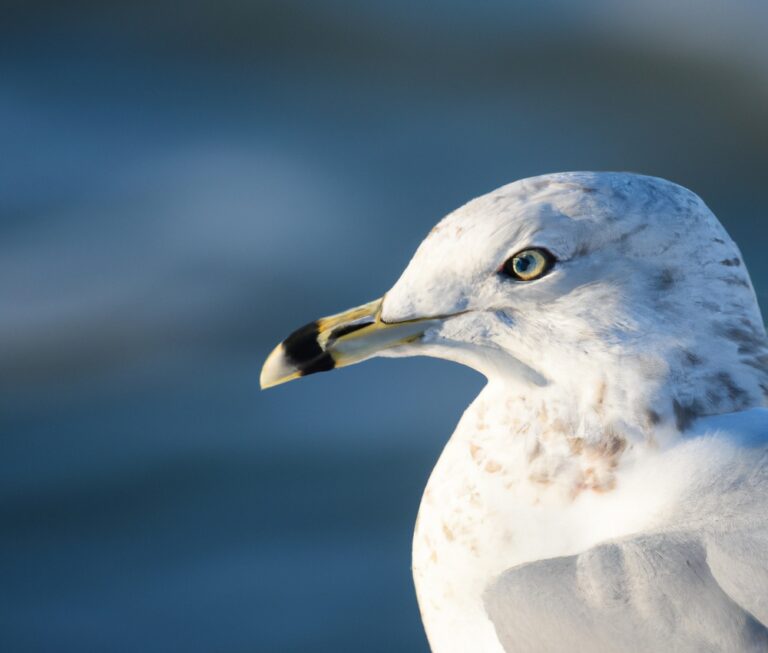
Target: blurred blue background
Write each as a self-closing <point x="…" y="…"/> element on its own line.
<point x="183" y="184"/>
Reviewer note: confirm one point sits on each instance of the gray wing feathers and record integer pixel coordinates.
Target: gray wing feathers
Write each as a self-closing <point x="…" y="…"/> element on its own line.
<point x="650" y="593"/>
<point x="698" y="585"/>
<point x="740" y="566"/>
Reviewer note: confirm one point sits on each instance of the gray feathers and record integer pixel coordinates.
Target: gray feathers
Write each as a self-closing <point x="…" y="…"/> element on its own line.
<point x="699" y="584"/>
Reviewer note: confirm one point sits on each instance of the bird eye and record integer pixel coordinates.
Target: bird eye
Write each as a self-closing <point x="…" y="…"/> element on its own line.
<point x="528" y="264"/>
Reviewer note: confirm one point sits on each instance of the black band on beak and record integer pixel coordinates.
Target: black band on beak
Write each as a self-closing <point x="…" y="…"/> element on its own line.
<point x="303" y="350"/>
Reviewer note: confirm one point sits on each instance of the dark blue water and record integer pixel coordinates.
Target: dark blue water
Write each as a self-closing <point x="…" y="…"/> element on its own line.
<point x="178" y="191"/>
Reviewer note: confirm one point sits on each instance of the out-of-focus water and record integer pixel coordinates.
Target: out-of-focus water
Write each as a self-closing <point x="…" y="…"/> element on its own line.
<point x="180" y="188"/>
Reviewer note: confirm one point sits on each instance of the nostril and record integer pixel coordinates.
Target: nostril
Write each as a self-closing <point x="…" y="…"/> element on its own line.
<point x="346" y="329"/>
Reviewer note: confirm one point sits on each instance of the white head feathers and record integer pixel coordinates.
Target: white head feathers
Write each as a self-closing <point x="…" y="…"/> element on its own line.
<point x="648" y="311"/>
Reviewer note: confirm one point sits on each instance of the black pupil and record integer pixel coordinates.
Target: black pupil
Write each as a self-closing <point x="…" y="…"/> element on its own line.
<point x="523" y="263"/>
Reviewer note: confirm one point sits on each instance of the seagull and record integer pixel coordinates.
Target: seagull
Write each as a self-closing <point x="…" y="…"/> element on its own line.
<point x="607" y="490"/>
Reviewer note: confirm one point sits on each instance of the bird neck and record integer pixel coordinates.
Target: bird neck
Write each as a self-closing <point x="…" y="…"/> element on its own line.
<point x="551" y="441"/>
<point x="577" y="432"/>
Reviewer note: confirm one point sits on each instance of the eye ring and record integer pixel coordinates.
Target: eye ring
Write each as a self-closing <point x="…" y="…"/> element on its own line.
<point x="528" y="264"/>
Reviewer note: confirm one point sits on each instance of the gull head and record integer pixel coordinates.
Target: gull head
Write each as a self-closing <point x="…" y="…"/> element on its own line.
<point x="611" y="292"/>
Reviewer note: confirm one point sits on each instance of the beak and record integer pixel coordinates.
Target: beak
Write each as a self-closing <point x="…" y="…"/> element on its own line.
<point x="337" y="341"/>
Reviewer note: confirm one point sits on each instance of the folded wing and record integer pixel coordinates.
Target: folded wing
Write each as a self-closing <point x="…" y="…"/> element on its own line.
<point x="699" y="586"/>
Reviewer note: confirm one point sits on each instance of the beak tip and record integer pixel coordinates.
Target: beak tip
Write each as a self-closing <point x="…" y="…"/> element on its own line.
<point x="276" y="369"/>
<point x="336" y="341"/>
<point x="265" y="383"/>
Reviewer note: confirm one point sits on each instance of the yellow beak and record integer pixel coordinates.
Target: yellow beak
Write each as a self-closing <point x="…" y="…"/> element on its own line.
<point x="336" y="341"/>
